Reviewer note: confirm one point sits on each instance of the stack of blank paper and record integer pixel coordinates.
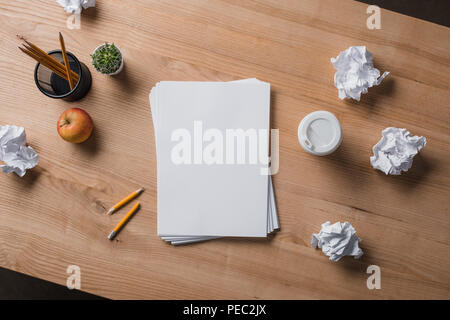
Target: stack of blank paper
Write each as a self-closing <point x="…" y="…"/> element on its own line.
<point x="207" y="188"/>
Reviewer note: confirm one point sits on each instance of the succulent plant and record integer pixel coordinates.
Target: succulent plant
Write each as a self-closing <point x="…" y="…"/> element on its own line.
<point x="107" y="58"/>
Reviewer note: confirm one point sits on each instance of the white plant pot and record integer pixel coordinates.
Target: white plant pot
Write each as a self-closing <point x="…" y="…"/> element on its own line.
<point x="121" y="62"/>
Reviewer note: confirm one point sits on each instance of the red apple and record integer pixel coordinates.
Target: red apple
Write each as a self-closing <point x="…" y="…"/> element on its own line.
<point x="75" y="125"/>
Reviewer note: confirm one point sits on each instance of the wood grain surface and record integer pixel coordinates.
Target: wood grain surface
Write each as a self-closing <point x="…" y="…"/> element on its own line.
<point x="55" y="216"/>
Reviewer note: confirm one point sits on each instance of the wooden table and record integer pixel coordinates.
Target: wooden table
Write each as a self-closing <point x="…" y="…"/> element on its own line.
<point x="55" y="216"/>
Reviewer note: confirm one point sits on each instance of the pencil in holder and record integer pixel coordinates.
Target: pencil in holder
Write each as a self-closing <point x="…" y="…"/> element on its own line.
<point x="54" y="86"/>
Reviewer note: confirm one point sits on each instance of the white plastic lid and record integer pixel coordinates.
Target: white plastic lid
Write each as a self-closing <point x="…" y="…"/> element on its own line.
<point x="320" y="133"/>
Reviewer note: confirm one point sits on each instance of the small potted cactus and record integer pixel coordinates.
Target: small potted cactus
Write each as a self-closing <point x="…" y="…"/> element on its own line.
<point x="107" y="59"/>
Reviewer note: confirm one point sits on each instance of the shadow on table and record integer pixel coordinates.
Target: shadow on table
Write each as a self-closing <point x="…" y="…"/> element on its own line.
<point x="92" y="145"/>
<point x="351" y="265"/>
<point x="415" y="176"/>
<point x="345" y="166"/>
<point x="89" y="15"/>
<point x="128" y="83"/>
<point x="371" y="99"/>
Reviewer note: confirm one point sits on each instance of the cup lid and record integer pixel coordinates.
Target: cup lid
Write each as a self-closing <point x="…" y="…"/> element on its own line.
<point x="320" y="133"/>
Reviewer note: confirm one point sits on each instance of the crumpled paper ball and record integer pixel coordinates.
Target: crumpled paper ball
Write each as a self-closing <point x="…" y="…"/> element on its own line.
<point x="75" y="6"/>
<point x="355" y="72"/>
<point x="337" y="240"/>
<point x="395" y="151"/>
<point x="17" y="157"/>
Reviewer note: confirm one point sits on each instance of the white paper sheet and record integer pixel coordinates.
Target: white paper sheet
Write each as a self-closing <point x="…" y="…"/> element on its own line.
<point x="272" y="217"/>
<point x="210" y="208"/>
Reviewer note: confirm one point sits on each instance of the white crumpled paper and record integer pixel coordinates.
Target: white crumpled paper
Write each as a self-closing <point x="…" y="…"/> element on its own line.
<point x="75" y="6"/>
<point x="395" y="151"/>
<point x="16" y="156"/>
<point x="355" y="72"/>
<point x="337" y="240"/>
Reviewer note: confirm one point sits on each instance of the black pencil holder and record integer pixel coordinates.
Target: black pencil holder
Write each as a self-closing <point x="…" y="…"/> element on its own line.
<point x="54" y="86"/>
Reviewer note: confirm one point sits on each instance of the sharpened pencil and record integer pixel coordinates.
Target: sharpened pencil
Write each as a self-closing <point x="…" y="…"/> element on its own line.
<point x="123" y="202"/>
<point x="43" y="54"/>
<point x="44" y="62"/>
<point x="123" y="221"/>
<point x="66" y="61"/>
<point x="47" y="60"/>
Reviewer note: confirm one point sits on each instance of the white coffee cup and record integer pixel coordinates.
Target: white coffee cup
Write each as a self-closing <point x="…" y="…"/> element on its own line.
<point x="320" y="133"/>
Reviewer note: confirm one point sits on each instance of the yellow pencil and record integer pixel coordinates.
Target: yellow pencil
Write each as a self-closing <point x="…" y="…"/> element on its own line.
<point x="123" y="221"/>
<point x="66" y="61"/>
<point x="125" y="201"/>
